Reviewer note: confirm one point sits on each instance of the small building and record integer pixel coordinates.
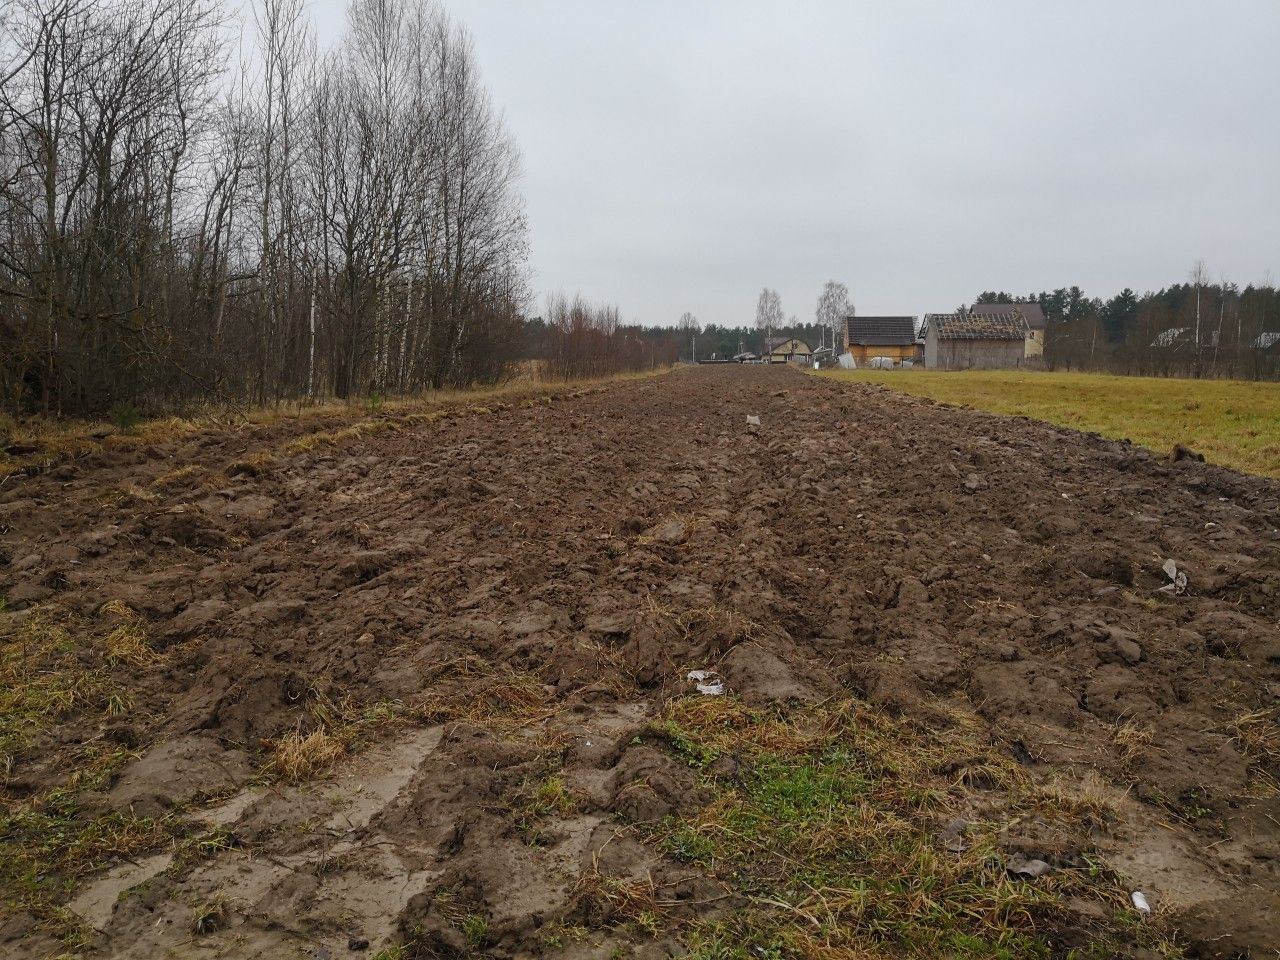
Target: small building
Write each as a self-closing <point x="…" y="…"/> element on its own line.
<point x="1033" y="313"/>
<point x="1266" y="340"/>
<point x="893" y="337"/>
<point x="745" y="357"/>
<point x="787" y="350"/>
<point x="974" y="341"/>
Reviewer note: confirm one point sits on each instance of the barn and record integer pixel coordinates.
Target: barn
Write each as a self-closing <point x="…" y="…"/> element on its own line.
<point x="892" y="337"/>
<point x="1033" y="313"/>
<point x="974" y="341"/>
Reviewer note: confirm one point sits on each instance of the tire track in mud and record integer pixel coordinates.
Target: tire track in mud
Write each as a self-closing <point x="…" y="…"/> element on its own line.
<point x="528" y="585"/>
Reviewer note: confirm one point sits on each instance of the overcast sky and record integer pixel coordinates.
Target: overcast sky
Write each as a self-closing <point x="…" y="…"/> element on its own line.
<point x="680" y="155"/>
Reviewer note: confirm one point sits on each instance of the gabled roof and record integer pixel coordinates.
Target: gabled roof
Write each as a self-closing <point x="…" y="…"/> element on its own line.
<point x="880" y="331"/>
<point x="978" y="326"/>
<point x="1032" y="312"/>
<point x="772" y="343"/>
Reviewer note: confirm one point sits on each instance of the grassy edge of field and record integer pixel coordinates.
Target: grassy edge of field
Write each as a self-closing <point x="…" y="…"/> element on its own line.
<point x="61" y="439"/>
<point x="1234" y="423"/>
<point x="825" y="823"/>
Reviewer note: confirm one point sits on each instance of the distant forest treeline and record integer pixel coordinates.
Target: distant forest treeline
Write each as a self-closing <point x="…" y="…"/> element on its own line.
<point x="1196" y="329"/>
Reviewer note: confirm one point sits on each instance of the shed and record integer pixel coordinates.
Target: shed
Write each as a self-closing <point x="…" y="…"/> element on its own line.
<point x="892" y="337"/>
<point x="1033" y="313"/>
<point x="968" y="341"/>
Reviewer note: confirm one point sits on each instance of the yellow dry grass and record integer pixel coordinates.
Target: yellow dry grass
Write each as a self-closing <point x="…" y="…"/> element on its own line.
<point x="297" y="756"/>
<point x="178" y="477"/>
<point x="128" y="643"/>
<point x="504" y="704"/>
<point x="1234" y="423"/>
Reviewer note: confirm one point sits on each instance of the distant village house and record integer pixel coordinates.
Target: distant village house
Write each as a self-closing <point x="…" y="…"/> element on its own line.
<point x="787" y="350"/>
<point x="975" y="341"/>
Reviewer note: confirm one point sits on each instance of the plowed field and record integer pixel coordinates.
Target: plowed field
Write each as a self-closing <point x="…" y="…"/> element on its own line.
<point x="422" y="687"/>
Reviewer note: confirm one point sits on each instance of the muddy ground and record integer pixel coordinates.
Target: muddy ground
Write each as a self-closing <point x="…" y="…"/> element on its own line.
<point x="483" y="605"/>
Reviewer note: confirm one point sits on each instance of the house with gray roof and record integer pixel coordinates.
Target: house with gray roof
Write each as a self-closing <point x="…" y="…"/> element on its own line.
<point x="975" y="341"/>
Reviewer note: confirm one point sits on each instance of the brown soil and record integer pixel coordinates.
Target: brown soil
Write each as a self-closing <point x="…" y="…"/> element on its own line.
<point x="528" y="584"/>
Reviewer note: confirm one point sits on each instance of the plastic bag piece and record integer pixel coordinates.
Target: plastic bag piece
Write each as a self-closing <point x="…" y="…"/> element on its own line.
<point x="708" y="682"/>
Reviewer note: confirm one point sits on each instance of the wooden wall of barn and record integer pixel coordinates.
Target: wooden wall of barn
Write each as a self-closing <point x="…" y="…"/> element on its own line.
<point x="973" y="354"/>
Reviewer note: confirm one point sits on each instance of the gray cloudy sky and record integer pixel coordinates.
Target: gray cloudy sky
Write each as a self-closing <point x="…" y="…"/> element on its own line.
<point x="681" y="154"/>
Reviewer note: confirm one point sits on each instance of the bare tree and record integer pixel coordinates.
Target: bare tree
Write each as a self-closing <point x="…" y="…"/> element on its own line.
<point x="1199" y="277"/>
<point x="690" y="328"/>
<point x="833" y="307"/>
<point x="769" y="316"/>
<point x="341" y="226"/>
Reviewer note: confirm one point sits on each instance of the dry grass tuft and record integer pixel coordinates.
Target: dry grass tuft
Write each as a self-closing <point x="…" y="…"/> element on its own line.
<point x="604" y="901"/>
<point x="255" y="465"/>
<point x="297" y="756"/>
<point x="1131" y="740"/>
<point x="127" y="496"/>
<point x="128" y="643"/>
<point x="209" y="916"/>
<point x="504" y="704"/>
<point x="178" y="477"/>
<point x="1258" y="732"/>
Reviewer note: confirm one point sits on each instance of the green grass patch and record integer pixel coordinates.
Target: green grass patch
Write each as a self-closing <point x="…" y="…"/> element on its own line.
<point x="56" y="671"/>
<point x="48" y="844"/>
<point x="44" y="680"/>
<point x="829" y="829"/>
<point x="1232" y="422"/>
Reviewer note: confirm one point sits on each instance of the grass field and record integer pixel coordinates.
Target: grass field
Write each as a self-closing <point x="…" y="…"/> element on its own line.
<point x="1234" y="423"/>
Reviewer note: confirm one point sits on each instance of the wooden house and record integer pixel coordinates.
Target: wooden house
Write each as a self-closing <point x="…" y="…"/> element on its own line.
<point x="892" y="337"/>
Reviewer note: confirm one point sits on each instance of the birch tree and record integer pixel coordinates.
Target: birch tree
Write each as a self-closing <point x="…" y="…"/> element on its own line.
<point x="832" y="309"/>
<point x="769" y="315"/>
